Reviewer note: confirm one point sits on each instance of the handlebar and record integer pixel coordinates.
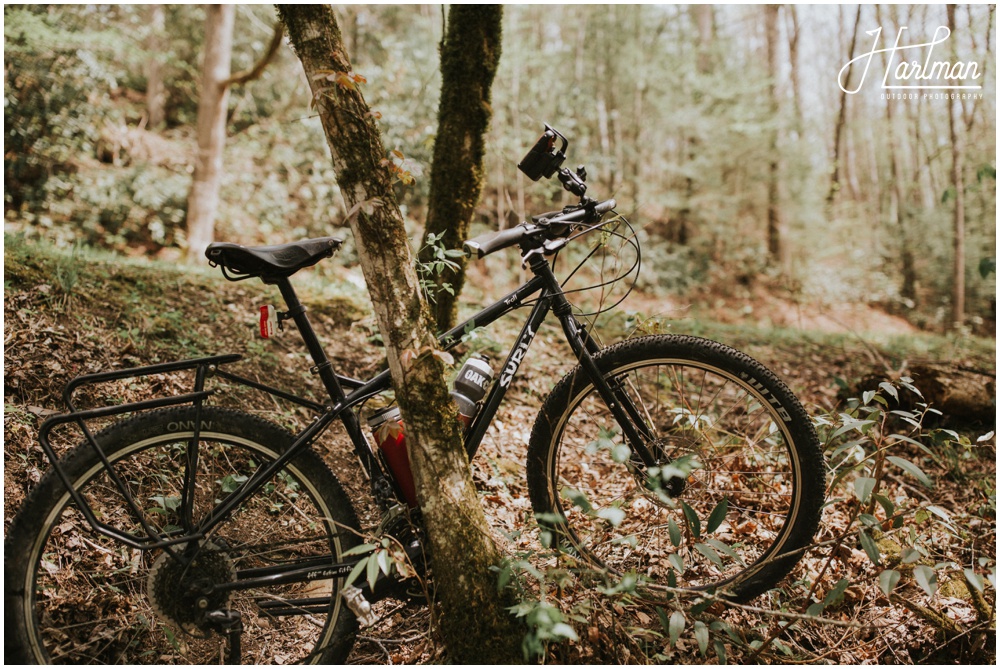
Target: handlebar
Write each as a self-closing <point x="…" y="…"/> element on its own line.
<point x="491" y="242"/>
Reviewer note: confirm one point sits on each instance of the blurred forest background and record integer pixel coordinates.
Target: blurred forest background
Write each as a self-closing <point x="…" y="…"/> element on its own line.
<point x="770" y="205"/>
<point x="721" y="131"/>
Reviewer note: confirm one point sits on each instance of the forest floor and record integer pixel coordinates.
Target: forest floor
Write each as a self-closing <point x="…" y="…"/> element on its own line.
<point x="69" y="314"/>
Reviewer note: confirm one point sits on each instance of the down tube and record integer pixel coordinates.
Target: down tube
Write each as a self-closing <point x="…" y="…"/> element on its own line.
<point x="506" y="375"/>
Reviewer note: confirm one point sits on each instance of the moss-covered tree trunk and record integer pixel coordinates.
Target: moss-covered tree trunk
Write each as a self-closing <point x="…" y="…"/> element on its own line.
<point x="470" y="54"/>
<point x="474" y="623"/>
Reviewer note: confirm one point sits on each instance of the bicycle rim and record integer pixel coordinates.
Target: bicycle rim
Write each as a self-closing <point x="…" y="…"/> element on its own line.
<point x="91" y="596"/>
<point x="727" y="493"/>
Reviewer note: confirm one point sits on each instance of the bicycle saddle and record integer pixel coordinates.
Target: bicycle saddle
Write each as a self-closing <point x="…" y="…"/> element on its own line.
<point x="269" y="262"/>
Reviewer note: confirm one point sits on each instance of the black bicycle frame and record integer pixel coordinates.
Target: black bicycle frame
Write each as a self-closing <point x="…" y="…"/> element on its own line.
<point x="550" y="298"/>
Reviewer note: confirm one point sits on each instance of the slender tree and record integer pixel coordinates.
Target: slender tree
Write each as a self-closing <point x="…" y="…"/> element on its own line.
<point x="475" y="625"/>
<point x="470" y="55"/>
<point x="156" y="94"/>
<point x="213" y="107"/>
<point x="958" y="221"/>
<point x="213" y="99"/>
<point x="794" y="31"/>
<point x="775" y="242"/>
<point x="838" y="129"/>
<point x="897" y="199"/>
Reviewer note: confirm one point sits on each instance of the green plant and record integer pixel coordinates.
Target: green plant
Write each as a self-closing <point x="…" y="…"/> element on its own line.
<point x="66" y="274"/>
<point x="430" y="272"/>
<point x="545" y="622"/>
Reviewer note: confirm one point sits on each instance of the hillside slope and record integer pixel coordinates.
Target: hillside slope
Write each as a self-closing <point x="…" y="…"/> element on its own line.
<point x="75" y="313"/>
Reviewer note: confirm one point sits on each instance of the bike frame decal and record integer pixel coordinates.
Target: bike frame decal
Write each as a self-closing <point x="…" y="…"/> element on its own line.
<point x="516" y="355"/>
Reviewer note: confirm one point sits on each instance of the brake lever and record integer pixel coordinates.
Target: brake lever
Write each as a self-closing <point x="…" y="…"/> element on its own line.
<point x="546" y="249"/>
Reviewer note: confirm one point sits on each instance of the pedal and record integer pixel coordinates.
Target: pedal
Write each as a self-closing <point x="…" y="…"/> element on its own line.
<point x="358" y="605"/>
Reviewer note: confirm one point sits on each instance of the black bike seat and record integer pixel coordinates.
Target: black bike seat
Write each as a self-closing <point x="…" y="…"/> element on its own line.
<point x="269" y="262"/>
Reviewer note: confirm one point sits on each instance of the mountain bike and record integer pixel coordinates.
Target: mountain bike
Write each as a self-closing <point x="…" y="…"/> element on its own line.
<point x="192" y="532"/>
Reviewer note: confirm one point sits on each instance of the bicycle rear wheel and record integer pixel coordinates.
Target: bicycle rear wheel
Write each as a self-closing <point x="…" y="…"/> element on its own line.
<point x="72" y="596"/>
<point x="739" y="480"/>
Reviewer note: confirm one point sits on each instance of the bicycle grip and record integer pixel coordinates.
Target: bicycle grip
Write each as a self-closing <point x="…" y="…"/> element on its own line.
<point x="606" y="206"/>
<point x="489" y="242"/>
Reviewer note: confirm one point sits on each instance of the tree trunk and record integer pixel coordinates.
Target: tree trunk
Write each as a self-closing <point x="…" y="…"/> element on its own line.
<point x="793" y="62"/>
<point x="961" y="393"/>
<point x="475" y="625"/>
<point x="954" y="128"/>
<point x="681" y="229"/>
<point x="470" y="54"/>
<point x="156" y="94"/>
<point x="212" y="107"/>
<point x="704" y="20"/>
<point x="842" y="117"/>
<point x="774" y="233"/>
<point x="897" y="210"/>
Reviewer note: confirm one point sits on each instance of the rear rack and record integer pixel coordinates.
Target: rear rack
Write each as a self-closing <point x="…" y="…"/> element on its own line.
<point x="204" y="369"/>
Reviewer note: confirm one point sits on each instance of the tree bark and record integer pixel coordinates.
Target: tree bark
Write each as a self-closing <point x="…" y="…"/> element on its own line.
<point x="470" y="54"/>
<point x="203" y="200"/>
<point x="957" y="159"/>
<point x="774" y="232"/>
<point x="842" y="117"/>
<point x="474" y="624"/>
<point x="156" y="94"/>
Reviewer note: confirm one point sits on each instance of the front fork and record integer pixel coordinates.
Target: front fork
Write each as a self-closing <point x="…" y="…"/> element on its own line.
<point x="613" y="391"/>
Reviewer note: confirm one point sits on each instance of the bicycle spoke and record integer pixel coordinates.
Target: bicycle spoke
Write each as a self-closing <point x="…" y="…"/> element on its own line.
<point x="742" y="459"/>
<point x="81" y="577"/>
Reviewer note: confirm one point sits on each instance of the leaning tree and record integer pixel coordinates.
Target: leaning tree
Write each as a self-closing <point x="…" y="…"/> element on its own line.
<point x="475" y="625"/>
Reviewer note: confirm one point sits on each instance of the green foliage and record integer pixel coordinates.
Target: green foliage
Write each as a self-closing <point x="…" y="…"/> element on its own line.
<point x="676" y="125"/>
<point x="50" y="105"/>
<point x="442" y="260"/>
<point x="384" y="557"/>
<point x="878" y="453"/>
<point x="858" y="445"/>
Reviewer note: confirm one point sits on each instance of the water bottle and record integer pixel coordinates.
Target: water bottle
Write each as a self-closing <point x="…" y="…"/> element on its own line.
<point x="470" y="387"/>
<point x="392" y="443"/>
<point x="387" y="425"/>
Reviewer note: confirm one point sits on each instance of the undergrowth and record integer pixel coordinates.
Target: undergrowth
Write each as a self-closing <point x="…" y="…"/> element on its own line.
<point x="902" y="570"/>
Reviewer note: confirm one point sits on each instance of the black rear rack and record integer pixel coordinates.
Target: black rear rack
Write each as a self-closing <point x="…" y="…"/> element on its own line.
<point x="204" y="369"/>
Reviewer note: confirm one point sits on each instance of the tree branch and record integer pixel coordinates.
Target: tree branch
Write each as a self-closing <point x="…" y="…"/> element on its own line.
<point x="254" y="72"/>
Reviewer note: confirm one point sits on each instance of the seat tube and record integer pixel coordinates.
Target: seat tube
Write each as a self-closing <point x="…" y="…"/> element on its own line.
<point x="322" y="365"/>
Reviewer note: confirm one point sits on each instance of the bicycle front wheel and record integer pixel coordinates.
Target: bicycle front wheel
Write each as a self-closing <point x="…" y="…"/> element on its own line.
<point x="73" y="596"/>
<point x="736" y="487"/>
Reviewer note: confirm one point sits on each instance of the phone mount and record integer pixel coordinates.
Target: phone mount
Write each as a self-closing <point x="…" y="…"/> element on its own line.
<point x="543" y="160"/>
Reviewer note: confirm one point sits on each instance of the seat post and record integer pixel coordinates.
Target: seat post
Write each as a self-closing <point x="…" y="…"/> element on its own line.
<point x="323" y="366"/>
